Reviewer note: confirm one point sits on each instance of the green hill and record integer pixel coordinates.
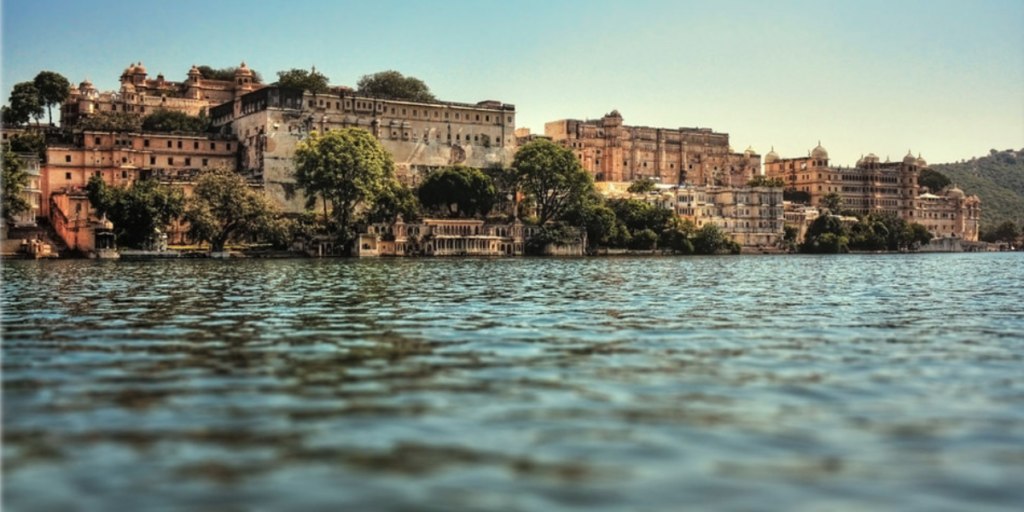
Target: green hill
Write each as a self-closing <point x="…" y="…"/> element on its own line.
<point x="997" y="179"/>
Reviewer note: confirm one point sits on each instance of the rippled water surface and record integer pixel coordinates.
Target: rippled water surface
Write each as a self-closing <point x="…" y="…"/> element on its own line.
<point x="730" y="383"/>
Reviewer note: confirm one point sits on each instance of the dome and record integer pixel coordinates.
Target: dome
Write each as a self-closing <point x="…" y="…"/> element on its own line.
<point x="140" y="69"/>
<point x="130" y="70"/>
<point x="819" y="153"/>
<point x="871" y="158"/>
<point x="194" y="71"/>
<point x="910" y="159"/>
<point x="243" y="70"/>
<point x="127" y="87"/>
<point x="921" y="161"/>
<point x="772" y="156"/>
<point x="955" y="192"/>
<point x="86" y="85"/>
<point x="749" y="151"/>
<point x="615" y="113"/>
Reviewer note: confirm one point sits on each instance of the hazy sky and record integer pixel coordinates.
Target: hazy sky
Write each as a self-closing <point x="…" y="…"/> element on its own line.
<point x="942" y="77"/>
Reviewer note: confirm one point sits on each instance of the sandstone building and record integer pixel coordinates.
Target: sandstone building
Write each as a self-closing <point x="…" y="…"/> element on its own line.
<point x="751" y="216"/>
<point x="420" y="136"/>
<point x="884" y="187"/>
<point x="142" y="95"/>
<point x="611" y="151"/>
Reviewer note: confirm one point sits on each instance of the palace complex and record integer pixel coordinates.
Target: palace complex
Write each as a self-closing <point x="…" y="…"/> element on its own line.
<point x="884" y="187"/>
<point x="258" y="127"/>
<point x="611" y="151"/>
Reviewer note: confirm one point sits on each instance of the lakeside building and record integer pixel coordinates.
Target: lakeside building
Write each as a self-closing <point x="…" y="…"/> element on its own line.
<point x="751" y="216"/>
<point x="611" y="151"/>
<point x="455" y="237"/>
<point x="420" y="136"/>
<point x="32" y="192"/>
<point x="142" y="95"/>
<point x="883" y="187"/>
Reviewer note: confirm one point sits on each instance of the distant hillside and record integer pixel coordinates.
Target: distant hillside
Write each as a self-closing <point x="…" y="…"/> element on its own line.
<point x="998" y="179"/>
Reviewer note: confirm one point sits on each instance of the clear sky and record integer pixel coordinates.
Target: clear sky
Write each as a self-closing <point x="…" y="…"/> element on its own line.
<point x="942" y="77"/>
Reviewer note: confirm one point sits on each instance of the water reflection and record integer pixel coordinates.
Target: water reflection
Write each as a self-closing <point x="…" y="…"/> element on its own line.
<point x="721" y="383"/>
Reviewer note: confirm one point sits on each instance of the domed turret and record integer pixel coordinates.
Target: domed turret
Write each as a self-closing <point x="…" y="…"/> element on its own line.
<point x="910" y="159"/>
<point x="243" y="70"/>
<point x="615" y="113"/>
<point x="921" y="161"/>
<point x="749" y="151"/>
<point x="86" y="85"/>
<point x="819" y="153"/>
<point x="771" y="157"/>
<point x="871" y="159"/>
<point x="194" y="71"/>
<point x="140" y="69"/>
<point x="955" y="192"/>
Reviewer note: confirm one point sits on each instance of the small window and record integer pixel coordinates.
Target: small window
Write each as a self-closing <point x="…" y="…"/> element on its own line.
<point x="170" y="144"/>
<point x="96" y="141"/>
<point x="206" y="162"/>
<point x="188" y="161"/>
<point x="478" y="117"/>
<point x="403" y="111"/>
<point x="392" y="110"/>
<point x="213" y="145"/>
<point x="152" y="160"/>
<point x="179" y="144"/>
<point x="67" y="158"/>
<point x="456" y="115"/>
<point x="487" y="119"/>
<point x="229" y="146"/>
<point x="145" y="143"/>
<point x="310" y="103"/>
<point x="67" y="175"/>
<point x="124" y="160"/>
<point x="170" y="160"/>
<point x="124" y="174"/>
<point x="195" y="145"/>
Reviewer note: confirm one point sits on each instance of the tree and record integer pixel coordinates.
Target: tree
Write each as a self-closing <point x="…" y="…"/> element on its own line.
<point x="223" y="206"/>
<point x="15" y="179"/>
<point x="311" y="81"/>
<point x="343" y="168"/>
<point x="642" y="186"/>
<point x="458" y="191"/>
<point x="826" y="234"/>
<point x="833" y="202"/>
<point x="53" y="89"/>
<point x="594" y="217"/>
<point x="710" y="239"/>
<point x="110" y="122"/>
<point x="918" y="236"/>
<point x="25" y="104"/>
<point x="1006" y="231"/>
<point x="226" y="74"/>
<point x="552" y="177"/>
<point x="796" y="196"/>
<point x="137" y="211"/>
<point x="764" y="181"/>
<point x="396" y="199"/>
<point x="29" y="142"/>
<point x="173" y="121"/>
<point x="934" y="180"/>
<point x="393" y="84"/>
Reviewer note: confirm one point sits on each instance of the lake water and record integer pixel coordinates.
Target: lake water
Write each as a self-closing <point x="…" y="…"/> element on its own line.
<point x="882" y="382"/>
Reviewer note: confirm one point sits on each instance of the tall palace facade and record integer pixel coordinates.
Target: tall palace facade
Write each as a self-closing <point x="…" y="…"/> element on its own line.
<point x="885" y="187"/>
<point x="612" y="151"/>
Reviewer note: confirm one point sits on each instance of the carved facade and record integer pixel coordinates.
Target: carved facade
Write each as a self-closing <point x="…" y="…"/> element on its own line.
<point x="420" y="136"/>
<point x="611" y="151"/>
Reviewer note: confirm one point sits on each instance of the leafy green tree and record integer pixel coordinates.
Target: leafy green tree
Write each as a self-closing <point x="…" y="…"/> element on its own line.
<point x="393" y="84"/>
<point x="765" y="181"/>
<point x="826" y="234"/>
<point x="53" y="89"/>
<point x="918" y="236"/>
<point x="311" y="81"/>
<point x="594" y="217"/>
<point x="458" y="191"/>
<point x="551" y="176"/>
<point x="710" y="239"/>
<point x="224" y="206"/>
<point x="934" y="180"/>
<point x="25" y="104"/>
<point x="396" y="199"/>
<point x="173" y="121"/>
<point x="642" y="186"/>
<point x="136" y="211"/>
<point x="226" y="74"/>
<point x="833" y="202"/>
<point x="1006" y="231"/>
<point x="15" y="179"/>
<point x="644" y="240"/>
<point x="343" y="168"/>
<point x="796" y="196"/>
<point x="29" y="142"/>
<point x="110" y="122"/>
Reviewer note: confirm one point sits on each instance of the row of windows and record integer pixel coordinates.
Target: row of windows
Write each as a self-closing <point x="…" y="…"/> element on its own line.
<point x="170" y="144"/>
<point x="365" y="105"/>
